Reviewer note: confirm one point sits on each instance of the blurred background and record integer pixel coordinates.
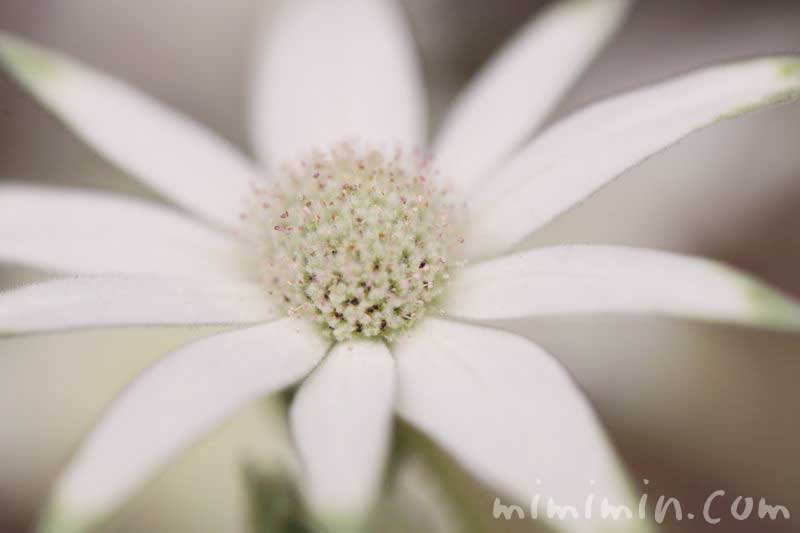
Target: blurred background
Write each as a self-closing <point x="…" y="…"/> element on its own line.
<point x="693" y="408"/>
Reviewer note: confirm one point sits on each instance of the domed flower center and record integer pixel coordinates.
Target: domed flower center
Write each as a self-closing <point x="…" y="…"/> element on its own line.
<point x="360" y="243"/>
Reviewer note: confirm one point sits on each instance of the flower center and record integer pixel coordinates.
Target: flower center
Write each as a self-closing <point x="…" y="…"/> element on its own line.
<point x="360" y="243"/>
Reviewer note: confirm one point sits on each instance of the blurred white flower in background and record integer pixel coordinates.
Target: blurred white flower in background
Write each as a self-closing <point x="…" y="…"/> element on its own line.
<point x="732" y="302"/>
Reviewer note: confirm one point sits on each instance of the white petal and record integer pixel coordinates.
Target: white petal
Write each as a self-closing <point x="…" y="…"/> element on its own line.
<point x="98" y="233"/>
<point x="341" y="420"/>
<point x="616" y="279"/>
<point x="511" y="414"/>
<point x="172" y="154"/>
<point x="514" y="93"/>
<point x="169" y="406"/>
<point x="575" y="157"/>
<point x="327" y="71"/>
<point x="127" y="301"/>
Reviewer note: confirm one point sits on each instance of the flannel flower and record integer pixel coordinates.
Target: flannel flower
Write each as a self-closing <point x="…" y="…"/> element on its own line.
<point x="353" y="264"/>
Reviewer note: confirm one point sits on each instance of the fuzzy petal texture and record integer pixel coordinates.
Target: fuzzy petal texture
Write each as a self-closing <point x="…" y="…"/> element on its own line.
<point x="514" y="93"/>
<point x="172" y="154"/>
<point x="329" y="71"/>
<point x="171" y="405"/>
<point x="108" y="301"/>
<point x="511" y="414"/>
<point x="585" y="151"/>
<point x="91" y="232"/>
<point x="341" y="421"/>
<point x="617" y="279"/>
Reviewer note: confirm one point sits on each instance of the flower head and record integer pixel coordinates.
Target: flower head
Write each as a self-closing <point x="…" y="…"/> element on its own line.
<point x="357" y="244"/>
<point x="356" y="241"/>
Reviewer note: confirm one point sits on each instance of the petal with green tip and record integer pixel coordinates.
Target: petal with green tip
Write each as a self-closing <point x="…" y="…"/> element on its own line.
<point x="580" y="279"/>
<point x="174" y="155"/>
<point x="578" y="155"/>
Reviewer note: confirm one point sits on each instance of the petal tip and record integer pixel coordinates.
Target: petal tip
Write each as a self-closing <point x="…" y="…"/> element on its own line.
<point x="788" y="71"/>
<point x="789" y="68"/>
<point x="343" y="522"/>
<point x="615" y="9"/>
<point x="772" y="309"/>
<point x="57" y="518"/>
<point x="27" y="62"/>
<point x="784" y="75"/>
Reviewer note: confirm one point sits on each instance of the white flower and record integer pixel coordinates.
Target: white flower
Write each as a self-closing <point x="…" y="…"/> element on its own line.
<point x="367" y="254"/>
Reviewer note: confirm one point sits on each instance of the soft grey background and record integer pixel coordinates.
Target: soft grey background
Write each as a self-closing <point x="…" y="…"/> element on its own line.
<point x="693" y="407"/>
